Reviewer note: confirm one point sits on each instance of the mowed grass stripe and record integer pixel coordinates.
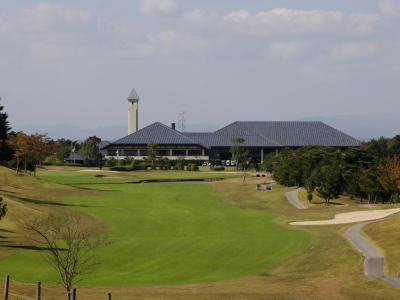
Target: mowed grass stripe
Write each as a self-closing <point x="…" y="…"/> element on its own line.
<point x="170" y="234"/>
<point x="97" y="176"/>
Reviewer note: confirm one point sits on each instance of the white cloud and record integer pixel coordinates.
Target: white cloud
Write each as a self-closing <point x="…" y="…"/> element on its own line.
<point x="353" y="51"/>
<point x="200" y="18"/>
<point x="47" y="17"/>
<point x="389" y="8"/>
<point x="165" y="43"/>
<point x="282" y="22"/>
<point x="56" y="32"/>
<point x="290" y="22"/>
<point x="49" y="32"/>
<point x="286" y="50"/>
<point x="362" y="24"/>
<point x="158" y="7"/>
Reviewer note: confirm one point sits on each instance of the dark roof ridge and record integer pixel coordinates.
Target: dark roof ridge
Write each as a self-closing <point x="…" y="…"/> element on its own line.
<point x="271" y="140"/>
<point x="226" y="126"/>
<point x="180" y="133"/>
<point x="260" y="135"/>
<point x="116" y="142"/>
<point x="342" y="132"/>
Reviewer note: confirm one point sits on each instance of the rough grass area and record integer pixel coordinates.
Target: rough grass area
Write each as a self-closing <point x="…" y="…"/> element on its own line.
<point x="317" y="200"/>
<point x="168" y="234"/>
<point x="386" y="235"/>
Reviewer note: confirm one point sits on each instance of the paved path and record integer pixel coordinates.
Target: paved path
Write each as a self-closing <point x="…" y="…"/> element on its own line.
<point x="292" y="198"/>
<point x="351" y="217"/>
<point x="374" y="262"/>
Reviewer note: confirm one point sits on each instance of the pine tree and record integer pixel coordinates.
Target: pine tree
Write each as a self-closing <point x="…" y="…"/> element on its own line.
<point x="5" y="151"/>
<point x="241" y="156"/>
<point x="3" y="208"/>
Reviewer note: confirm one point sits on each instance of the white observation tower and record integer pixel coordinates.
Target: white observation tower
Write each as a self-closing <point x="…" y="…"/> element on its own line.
<point x="133" y="106"/>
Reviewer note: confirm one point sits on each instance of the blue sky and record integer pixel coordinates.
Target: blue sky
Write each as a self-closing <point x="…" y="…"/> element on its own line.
<point x="74" y="62"/>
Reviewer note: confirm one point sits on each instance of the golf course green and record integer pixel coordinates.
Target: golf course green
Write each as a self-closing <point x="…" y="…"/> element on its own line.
<point x="169" y="234"/>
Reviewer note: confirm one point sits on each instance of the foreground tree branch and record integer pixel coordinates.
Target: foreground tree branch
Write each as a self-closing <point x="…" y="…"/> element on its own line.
<point x="69" y="246"/>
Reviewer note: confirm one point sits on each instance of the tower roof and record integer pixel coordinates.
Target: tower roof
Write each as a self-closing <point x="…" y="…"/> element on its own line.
<point x="133" y="96"/>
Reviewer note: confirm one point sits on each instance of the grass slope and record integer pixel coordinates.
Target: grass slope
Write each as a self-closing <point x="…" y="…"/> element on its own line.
<point x="169" y="234"/>
<point x="386" y="235"/>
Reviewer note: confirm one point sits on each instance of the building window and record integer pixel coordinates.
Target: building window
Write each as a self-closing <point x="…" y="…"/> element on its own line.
<point x="143" y="152"/>
<point x="178" y="152"/>
<point x="163" y="152"/>
<point x="111" y="152"/>
<point x="130" y="152"/>
<point x="195" y="152"/>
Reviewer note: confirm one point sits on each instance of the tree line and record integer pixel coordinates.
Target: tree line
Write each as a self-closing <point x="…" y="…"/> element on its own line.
<point x="370" y="172"/>
<point x="69" y="243"/>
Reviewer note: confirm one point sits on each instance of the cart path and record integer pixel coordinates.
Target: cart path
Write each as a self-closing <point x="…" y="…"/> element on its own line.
<point x="351" y="217"/>
<point x="374" y="262"/>
<point x="292" y="198"/>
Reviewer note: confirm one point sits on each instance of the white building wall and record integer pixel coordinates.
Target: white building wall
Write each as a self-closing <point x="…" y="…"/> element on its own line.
<point x="133" y="122"/>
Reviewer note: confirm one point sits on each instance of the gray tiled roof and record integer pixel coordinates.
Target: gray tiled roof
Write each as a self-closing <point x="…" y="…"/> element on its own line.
<point x="216" y="140"/>
<point x="103" y="144"/>
<point x="73" y="157"/>
<point x="157" y="133"/>
<point x="291" y="133"/>
<point x="255" y="134"/>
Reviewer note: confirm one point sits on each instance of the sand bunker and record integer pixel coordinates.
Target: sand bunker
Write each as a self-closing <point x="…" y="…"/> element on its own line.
<point x="351" y="217"/>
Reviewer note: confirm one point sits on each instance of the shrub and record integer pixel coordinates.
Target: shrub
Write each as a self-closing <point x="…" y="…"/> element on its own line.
<point x="53" y="160"/>
<point x="192" y="167"/>
<point x="111" y="162"/>
<point x="309" y="197"/>
<point x="217" y="168"/>
<point x="120" y="169"/>
<point x="180" y="165"/>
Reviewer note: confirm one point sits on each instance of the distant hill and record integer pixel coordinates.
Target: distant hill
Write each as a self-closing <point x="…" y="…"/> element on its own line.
<point x="364" y="127"/>
<point x="110" y="133"/>
<point x="75" y="133"/>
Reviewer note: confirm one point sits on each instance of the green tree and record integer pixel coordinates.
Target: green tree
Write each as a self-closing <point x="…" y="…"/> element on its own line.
<point x="284" y="168"/>
<point x="90" y="152"/>
<point x="270" y="162"/>
<point x="331" y="182"/>
<point x="5" y="150"/>
<point x="63" y="153"/>
<point x="151" y="152"/>
<point x="3" y="208"/>
<point x="241" y="156"/>
<point x="369" y="183"/>
<point x="389" y="176"/>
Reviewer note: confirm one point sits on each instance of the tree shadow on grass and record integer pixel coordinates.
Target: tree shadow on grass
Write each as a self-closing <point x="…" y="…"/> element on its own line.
<point x="324" y="203"/>
<point x="25" y="247"/>
<point x="41" y="202"/>
<point x="5" y="191"/>
<point x="5" y="230"/>
<point x="30" y="247"/>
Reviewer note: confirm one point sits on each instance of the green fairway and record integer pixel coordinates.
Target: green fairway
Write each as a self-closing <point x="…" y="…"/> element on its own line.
<point x="168" y="234"/>
<point x="97" y="176"/>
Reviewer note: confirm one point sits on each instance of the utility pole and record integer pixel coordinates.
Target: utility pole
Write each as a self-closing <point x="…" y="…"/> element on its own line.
<point x="182" y="120"/>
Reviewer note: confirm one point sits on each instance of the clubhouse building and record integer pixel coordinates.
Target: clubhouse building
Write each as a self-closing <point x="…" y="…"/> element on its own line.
<point x="260" y="138"/>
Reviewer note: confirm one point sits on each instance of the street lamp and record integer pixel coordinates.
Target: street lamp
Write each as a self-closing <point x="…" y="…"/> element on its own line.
<point x="73" y="151"/>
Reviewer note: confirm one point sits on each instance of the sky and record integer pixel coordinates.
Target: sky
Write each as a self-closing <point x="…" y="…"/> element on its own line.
<point x="75" y="62"/>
